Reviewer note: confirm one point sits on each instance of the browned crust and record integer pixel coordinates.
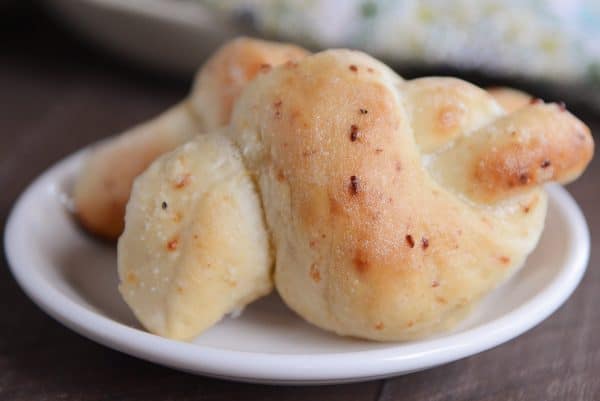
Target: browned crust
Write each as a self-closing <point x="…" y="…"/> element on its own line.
<point x="554" y="147"/>
<point x="240" y="61"/>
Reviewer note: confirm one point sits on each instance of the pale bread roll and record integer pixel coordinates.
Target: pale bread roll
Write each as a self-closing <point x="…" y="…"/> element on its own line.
<point x="102" y="188"/>
<point x="195" y="246"/>
<point x="392" y="206"/>
<point x="372" y="238"/>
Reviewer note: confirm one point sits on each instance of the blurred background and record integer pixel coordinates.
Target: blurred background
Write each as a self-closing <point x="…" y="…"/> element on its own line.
<point x="550" y="47"/>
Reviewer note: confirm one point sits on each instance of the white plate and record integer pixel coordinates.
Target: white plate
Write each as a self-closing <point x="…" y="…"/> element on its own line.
<point x="73" y="278"/>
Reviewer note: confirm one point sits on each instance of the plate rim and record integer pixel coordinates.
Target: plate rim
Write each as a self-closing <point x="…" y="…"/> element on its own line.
<point x="190" y="13"/>
<point x="295" y="368"/>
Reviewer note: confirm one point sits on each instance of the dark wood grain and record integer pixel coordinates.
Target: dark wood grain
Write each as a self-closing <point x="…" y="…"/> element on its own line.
<point x="57" y="95"/>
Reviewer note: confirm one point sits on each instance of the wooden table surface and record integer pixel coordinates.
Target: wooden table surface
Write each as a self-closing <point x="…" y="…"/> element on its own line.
<point x="57" y="95"/>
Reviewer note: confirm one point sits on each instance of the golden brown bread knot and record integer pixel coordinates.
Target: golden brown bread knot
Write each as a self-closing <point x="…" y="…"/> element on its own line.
<point x="103" y="187"/>
<point x="392" y="206"/>
<point x="365" y="181"/>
